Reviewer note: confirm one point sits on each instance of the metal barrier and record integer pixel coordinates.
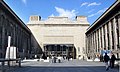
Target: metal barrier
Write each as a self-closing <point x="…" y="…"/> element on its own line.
<point x="8" y="63"/>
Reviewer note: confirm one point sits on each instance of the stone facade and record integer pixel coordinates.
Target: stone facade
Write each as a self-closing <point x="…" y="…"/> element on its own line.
<point x="104" y="33"/>
<point x="12" y="25"/>
<point x="60" y="31"/>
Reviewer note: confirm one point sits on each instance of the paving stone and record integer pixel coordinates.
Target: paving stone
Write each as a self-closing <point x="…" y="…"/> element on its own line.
<point x="65" y="66"/>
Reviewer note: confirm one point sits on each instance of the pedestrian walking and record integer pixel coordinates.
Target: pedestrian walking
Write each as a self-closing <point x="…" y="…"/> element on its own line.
<point x="106" y="60"/>
<point x="112" y="60"/>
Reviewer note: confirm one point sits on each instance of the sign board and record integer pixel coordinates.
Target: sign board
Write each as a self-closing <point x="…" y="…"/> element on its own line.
<point x="105" y="51"/>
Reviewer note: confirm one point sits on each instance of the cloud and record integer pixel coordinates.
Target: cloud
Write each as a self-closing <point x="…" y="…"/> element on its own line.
<point x="90" y="4"/>
<point x="24" y="1"/>
<point x="99" y="12"/>
<point x="52" y="15"/>
<point x="65" y="13"/>
<point x="94" y="4"/>
<point x="83" y="4"/>
<point x="91" y="11"/>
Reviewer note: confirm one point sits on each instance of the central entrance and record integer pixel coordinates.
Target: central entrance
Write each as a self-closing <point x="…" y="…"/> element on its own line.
<point x="66" y="50"/>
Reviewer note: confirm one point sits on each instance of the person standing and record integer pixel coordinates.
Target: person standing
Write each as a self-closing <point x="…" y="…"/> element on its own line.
<point x="112" y="60"/>
<point x="106" y="60"/>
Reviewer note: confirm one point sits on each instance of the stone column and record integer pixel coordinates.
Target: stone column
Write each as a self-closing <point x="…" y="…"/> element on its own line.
<point x="106" y="36"/>
<point x="115" y="34"/>
<point x="96" y="41"/>
<point x="99" y="39"/>
<point x="1" y="32"/>
<point x="93" y="41"/>
<point x="13" y="38"/>
<point x="86" y="46"/>
<point x="3" y="38"/>
<point x="103" y="38"/>
<point x="110" y="35"/>
<point x="119" y="28"/>
<point x="89" y="44"/>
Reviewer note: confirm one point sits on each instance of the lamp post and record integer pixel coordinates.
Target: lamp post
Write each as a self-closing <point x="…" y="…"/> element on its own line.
<point x="119" y="46"/>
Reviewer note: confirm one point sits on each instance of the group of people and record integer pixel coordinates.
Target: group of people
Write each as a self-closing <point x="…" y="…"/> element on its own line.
<point x="109" y="60"/>
<point x="55" y="59"/>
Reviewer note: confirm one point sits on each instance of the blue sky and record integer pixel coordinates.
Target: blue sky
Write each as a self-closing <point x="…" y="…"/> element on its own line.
<point x="70" y="8"/>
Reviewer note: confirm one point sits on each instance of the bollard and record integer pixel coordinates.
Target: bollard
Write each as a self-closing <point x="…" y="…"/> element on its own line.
<point x="9" y="64"/>
<point x="3" y="70"/>
<point x="19" y="61"/>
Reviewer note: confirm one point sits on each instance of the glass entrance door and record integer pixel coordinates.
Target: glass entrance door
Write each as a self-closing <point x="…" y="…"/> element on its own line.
<point x="59" y="50"/>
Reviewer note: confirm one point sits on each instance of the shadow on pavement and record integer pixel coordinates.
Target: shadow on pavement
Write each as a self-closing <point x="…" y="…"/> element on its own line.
<point x="63" y="69"/>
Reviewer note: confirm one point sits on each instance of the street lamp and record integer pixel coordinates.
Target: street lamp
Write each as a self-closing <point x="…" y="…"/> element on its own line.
<point x="119" y="43"/>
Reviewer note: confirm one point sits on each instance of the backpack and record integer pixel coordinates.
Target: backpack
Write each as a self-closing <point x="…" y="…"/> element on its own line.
<point x="106" y="58"/>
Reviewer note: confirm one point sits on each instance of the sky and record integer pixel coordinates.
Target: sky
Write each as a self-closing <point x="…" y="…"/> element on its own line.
<point x="93" y="9"/>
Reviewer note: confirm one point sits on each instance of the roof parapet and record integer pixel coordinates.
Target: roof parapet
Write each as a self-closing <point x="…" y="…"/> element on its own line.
<point x="58" y="18"/>
<point x="81" y="18"/>
<point x="35" y="18"/>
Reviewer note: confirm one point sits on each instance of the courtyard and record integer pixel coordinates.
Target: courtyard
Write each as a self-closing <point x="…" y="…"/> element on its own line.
<point x="64" y="66"/>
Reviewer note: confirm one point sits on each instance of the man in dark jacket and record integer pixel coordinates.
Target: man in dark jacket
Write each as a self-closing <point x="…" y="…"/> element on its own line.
<point x="106" y="60"/>
<point x="112" y="60"/>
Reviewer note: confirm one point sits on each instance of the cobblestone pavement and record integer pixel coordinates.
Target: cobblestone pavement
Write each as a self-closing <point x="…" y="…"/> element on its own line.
<point x="64" y="66"/>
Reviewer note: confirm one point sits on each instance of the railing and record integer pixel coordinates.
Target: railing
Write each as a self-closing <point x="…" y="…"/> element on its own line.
<point x="8" y="63"/>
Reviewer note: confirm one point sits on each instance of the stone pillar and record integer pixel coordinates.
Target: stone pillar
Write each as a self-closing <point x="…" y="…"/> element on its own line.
<point x="115" y="34"/>
<point x="88" y="43"/>
<point x="93" y="41"/>
<point x="99" y="39"/>
<point x="106" y="36"/>
<point x="110" y="35"/>
<point x="96" y="41"/>
<point x="14" y="34"/>
<point x="103" y="38"/>
<point x="86" y="47"/>
<point x="3" y="38"/>
<point x="119" y="29"/>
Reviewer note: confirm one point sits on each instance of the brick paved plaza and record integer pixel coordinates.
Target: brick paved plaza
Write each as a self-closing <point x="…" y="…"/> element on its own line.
<point x="65" y="66"/>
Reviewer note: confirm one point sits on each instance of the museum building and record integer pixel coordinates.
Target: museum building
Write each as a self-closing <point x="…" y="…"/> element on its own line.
<point x="60" y="36"/>
<point x="104" y="33"/>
